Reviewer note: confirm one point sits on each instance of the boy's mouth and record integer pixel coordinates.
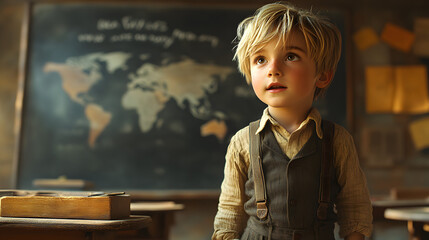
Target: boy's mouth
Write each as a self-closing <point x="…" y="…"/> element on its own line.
<point x="274" y="86"/>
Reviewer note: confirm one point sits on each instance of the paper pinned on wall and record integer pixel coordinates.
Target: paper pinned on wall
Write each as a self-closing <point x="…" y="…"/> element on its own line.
<point x="365" y="38"/>
<point x="401" y="89"/>
<point x="421" y="43"/>
<point x="411" y="95"/>
<point x="419" y="131"/>
<point x="397" y="37"/>
<point x="380" y="89"/>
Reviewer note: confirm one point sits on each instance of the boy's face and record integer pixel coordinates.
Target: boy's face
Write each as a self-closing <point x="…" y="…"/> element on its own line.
<point x="284" y="76"/>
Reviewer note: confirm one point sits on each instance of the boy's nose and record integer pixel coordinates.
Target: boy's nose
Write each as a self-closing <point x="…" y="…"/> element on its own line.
<point x="274" y="70"/>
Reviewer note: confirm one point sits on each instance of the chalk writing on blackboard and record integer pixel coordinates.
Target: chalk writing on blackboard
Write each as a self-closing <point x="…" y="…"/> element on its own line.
<point x="136" y="96"/>
<point x="158" y="27"/>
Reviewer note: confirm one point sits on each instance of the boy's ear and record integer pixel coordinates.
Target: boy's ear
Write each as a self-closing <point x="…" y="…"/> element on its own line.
<point x="324" y="79"/>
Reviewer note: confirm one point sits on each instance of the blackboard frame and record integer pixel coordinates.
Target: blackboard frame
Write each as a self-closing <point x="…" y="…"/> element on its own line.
<point x="20" y="103"/>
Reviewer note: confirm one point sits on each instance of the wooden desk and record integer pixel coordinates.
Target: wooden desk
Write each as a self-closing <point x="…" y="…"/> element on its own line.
<point x="68" y="229"/>
<point x="162" y="214"/>
<point x="417" y="218"/>
<point x="380" y="206"/>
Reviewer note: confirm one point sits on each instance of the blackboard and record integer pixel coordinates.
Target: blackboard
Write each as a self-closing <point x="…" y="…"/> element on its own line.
<point x="135" y="96"/>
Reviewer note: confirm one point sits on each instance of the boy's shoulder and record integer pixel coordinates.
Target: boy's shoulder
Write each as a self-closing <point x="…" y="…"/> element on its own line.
<point x="340" y="129"/>
<point x="241" y="135"/>
<point x="342" y="134"/>
<point x="241" y="138"/>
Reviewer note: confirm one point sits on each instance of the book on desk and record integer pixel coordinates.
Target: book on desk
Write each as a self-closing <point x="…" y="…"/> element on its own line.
<point x="68" y="205"/>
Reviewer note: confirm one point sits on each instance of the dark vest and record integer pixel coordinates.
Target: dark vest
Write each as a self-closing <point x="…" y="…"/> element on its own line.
<point x="292" y="193"/>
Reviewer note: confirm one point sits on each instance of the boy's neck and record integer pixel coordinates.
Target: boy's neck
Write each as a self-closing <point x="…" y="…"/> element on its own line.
<point x="289" y="119"/>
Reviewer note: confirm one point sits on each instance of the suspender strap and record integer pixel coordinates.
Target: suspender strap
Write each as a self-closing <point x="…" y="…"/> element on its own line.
<point x="325" y="173"/>
<point x="258" y="176"/>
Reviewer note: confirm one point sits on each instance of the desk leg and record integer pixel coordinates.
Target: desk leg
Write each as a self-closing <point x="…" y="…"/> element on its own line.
<point x="15" y="233"/>
<point x="159" y="229"/>
<point x="101" y="235"/>
<point x="417" y="231"/>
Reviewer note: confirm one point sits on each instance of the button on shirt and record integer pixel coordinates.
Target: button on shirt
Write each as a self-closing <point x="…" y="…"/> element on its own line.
<point x="353" y="204"/>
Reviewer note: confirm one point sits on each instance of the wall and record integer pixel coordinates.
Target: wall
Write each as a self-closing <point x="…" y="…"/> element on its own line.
<point x="392" y="161"/>
<point x="10" y="29"/>
<point x="195" y="222"/>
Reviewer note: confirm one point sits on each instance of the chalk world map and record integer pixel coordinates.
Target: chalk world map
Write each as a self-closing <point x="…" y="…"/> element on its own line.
<point x="132" y="96"/>
<point x="149" y="87"/>
<point x="136" y="96"/>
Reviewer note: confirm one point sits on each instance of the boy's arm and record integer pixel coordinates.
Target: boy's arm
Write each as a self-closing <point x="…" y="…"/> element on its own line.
<point x="353" y="202"/>
<point x="354" y="236"/>
<point x="231" y="219"/>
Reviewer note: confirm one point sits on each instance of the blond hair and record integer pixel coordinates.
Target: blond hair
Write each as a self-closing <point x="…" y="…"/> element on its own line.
<point x="275" y="21"/>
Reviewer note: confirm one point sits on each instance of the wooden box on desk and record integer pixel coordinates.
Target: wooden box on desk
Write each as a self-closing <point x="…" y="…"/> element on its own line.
<point x="77" y="207"/>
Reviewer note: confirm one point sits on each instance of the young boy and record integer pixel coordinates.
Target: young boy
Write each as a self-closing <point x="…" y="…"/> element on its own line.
<point x="291" y="175"/>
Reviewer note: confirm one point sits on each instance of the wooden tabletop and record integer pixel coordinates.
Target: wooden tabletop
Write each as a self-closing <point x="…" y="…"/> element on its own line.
<point x="400" y="203"/>
<point x="155" y="206"/>
<point x="131" y="223"/>
<point x="419" y="214"/>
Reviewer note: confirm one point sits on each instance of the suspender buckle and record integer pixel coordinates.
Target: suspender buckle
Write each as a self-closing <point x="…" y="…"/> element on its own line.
<point x="261" y="210"/>
<point x="296" y="236"/>
<point x="322" y="210"/>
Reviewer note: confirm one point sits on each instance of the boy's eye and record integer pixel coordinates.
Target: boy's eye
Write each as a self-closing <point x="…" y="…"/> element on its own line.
<point x="260" y="60"/>
<point x="292" y="57"/>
